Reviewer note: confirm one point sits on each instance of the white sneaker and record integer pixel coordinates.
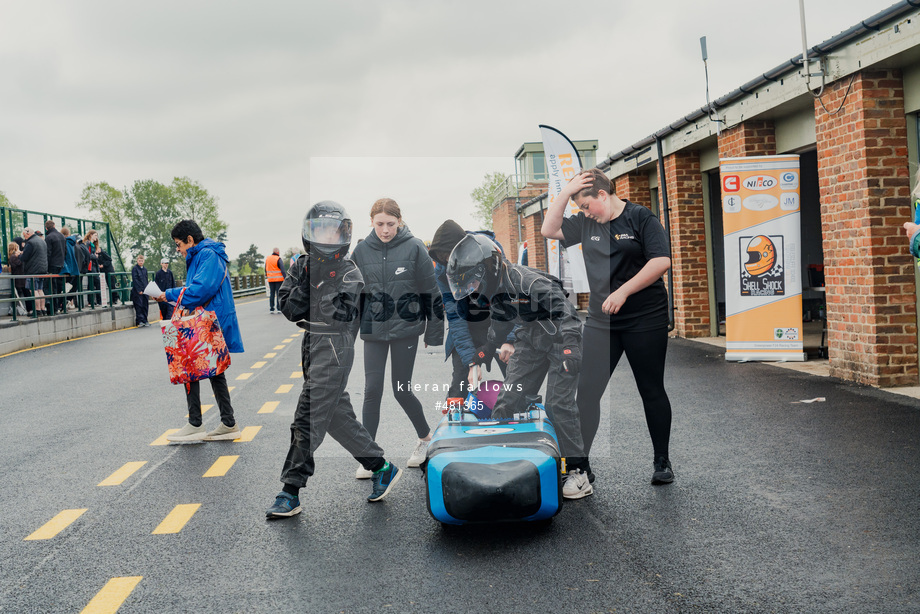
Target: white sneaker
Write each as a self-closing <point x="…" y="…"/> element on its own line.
<point x="576" y="485"/>
<point x="188" y="433"/>
<point x="224" y="433"/>
<point x="363" y="474"/>
<point x="419" y="454"/>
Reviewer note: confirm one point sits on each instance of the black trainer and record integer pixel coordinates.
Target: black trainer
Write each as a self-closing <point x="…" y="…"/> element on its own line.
<point x="663" y="473"/>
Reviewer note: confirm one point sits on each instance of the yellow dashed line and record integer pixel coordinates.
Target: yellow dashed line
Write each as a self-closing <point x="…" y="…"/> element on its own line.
<point x="122" y="474"/>
<point x="220" y="467"/>
<point x="287" y="341"/>
<point x="284" y="388"/>
<point x="112" y="595"/>
<point x="269" y="407"/>
<point x="296" y="375"/>
<point x="248" y="434"/>
<point x="56" y="524"/>
<point x="278" y="347"/>
<point x="230" y="388"/>
<point x="244" y="376"/>
<point x="176" y="519"/>
<point x="270" y="355"/>
<point x="259" y="365"/>
<point x="161" y="440"/>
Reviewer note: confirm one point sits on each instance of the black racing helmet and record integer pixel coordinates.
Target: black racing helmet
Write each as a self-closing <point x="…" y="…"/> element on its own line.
<point x="475" y="266"/>
<point x="327" y="231"/>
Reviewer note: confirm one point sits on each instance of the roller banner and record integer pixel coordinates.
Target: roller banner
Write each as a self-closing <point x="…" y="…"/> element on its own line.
<point x="563" y="163"/>
<point x="762" y="239"/>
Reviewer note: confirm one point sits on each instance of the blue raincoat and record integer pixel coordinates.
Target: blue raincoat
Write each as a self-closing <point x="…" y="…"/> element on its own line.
<point x="208" y="279"/>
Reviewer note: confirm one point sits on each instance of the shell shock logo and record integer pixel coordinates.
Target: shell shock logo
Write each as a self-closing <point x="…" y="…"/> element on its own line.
<point x="762" y="271"/>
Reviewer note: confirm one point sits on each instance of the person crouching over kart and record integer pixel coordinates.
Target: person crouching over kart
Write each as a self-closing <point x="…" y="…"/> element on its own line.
<point x="547" y="343"/>
<point x="320" y="294"/>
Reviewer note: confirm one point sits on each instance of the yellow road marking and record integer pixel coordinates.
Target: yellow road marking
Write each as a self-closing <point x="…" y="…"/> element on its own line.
<point x="270" y="355"/>
<point x="278" y="347"/>
<point x="176" y="519"/>
<point x="56" y="524"/>
<point x="259" y="365"/>
<point x="287" y="341"/>
<point x="204" y="408"/>
<point x="230" y="388"/>
<point x="161" y="440"/>
<point x="269" y="407"/>
<point x="122" y="474"/>
<point x="220" y="467"/>
<point x="244" y="376"/>
<point x="284" y="388"/>
<point x="296" y="375"/>
<point x="112" y="595"/>
<point x="248" y="434"/>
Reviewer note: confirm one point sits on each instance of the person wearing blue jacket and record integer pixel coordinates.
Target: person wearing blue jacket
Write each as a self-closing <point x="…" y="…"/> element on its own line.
<point x="207" y="283"/>
<point x="468" y="322"/>
<point x="70" y="270"/>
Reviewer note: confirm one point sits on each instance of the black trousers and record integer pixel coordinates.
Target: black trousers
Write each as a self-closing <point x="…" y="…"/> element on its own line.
<point x="526" y="370"/>
<point x="646" y="353"/>
<point x="273" y="287"/>
<point x="221" y="395"/>
<point x="141" y="306"/>
<point x="325" y="407"/>
<point x="402" y="364"/>
<point x="57" y="287"/>
<point x="166" y="310"/>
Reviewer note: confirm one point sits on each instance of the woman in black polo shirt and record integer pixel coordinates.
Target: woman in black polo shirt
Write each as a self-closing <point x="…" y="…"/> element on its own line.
<point x="626" y="253"/>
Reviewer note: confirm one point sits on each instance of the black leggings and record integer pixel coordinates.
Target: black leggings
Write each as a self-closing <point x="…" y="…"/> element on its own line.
<point x="646" y="354"/>
<point x="402" y="363"/>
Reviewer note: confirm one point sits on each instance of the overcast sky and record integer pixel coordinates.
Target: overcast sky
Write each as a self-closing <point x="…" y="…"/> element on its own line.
<point x="275" y="105"/>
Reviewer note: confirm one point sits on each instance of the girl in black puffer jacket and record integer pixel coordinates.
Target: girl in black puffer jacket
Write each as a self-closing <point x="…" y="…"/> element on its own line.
<point x="400" y="302"/>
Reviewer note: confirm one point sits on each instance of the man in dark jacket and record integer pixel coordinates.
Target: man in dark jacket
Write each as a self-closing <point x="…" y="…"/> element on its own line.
<point x="106" y="268"/>
<point x="547" y="344"/>
<point x="35" y="262"/>
<point x="164" y="280"/>
<point x="468" y="322"/>
<point x="139" y="281"/>
<point x="56" y="243"/>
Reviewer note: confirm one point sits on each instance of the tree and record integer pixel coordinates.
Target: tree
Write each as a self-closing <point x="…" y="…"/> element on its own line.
<point x="193" y="202"/>
<point x="251" y="259"/>
<point x="289" y="253"/>
<point x="152" y="213"/>
<point x="5" y="202"/>
<point x="108" y="204"/>
<point x="143" y="216"/>
<point x="485" y="196"/>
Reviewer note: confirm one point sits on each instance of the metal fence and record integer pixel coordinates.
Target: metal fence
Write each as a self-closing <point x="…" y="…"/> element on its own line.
<point x="88" y="292"/>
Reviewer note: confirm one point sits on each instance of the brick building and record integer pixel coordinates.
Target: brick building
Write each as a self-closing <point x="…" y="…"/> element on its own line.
<point x="858" y="145"/>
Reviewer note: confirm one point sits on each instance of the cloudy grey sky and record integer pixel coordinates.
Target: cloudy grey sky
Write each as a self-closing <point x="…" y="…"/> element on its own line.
<point x="275" y="105"/>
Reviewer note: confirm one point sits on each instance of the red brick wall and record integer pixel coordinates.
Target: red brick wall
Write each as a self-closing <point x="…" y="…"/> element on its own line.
<point x="688" y="244"/>
<point x="536" y="243"/>
<point x="634" y="187"/>
<point x="750" y="138"/>
<point x="504" y="225"/>
<point x="865" y="196"/>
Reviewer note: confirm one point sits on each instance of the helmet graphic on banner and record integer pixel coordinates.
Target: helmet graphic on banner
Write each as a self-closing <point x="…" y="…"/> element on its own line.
<point x="761" y="255"/>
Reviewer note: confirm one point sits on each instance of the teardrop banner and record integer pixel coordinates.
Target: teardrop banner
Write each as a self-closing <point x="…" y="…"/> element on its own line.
<point x="763" y="270"/>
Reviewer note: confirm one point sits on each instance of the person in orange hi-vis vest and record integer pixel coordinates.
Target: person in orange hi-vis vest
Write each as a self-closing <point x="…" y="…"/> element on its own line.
<point x="274" y="273"/>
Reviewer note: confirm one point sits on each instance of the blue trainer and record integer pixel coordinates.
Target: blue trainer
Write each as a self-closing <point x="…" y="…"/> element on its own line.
<point x="383" y="481"/>
<point x="286" y="505"/>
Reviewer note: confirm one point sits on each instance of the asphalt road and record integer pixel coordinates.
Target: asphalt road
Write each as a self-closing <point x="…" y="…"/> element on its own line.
<point x="778" y="506"/>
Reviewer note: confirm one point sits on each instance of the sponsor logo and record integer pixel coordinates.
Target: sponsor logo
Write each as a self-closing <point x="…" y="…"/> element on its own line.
<point x="789" y="181"/>
<point x="623" y="236"/>
<point x="595" y="238"/>
<point x="786" y="334"/>
<point x="760" y="202"/>
<point x="731" y="203"/>
<point x="401" y="270"/>
<point x="760" y="182"/>
<point x="762" y="271"/>
<point x="789" y="201"/>
<point x="731" y="183"/>
<point x="488" y="431"/>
